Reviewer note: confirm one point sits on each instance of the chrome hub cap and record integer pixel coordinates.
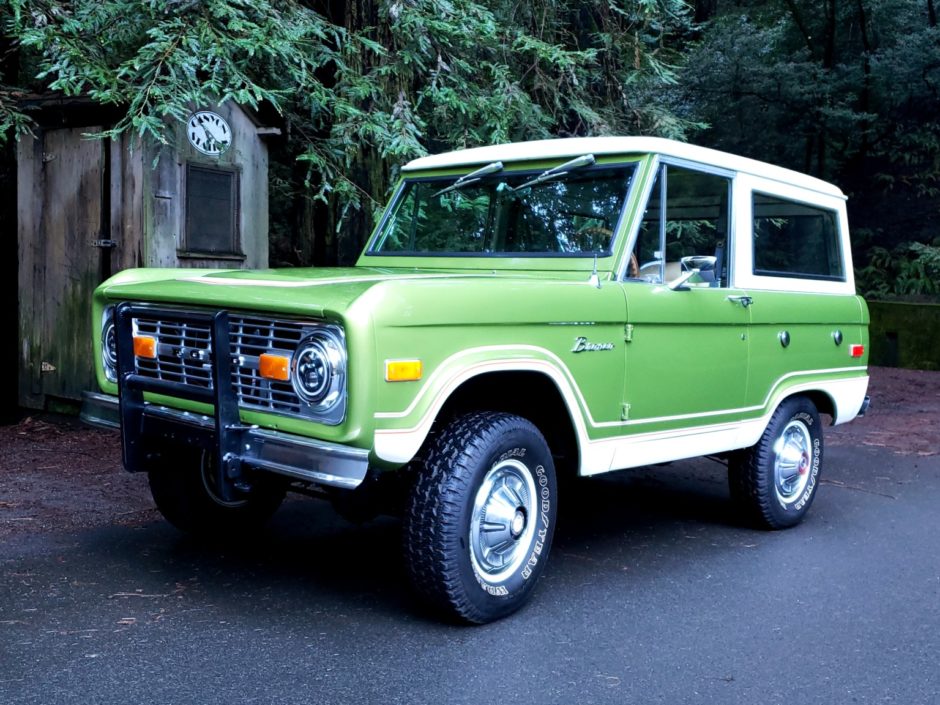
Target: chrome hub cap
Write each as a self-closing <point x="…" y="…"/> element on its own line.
<point x="793" y="453"/>
<point x="500" y="530"/>
<point x="518" y="524"/>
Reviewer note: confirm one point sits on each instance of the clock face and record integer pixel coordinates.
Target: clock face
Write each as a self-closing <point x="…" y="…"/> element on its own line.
<point x="209" y="133"/>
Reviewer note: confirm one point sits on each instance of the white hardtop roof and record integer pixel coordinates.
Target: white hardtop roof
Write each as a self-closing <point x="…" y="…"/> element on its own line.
<point x="576" y="146"/>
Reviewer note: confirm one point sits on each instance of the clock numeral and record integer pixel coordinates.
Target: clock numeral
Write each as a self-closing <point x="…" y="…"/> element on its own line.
<point x="209" y="133"/>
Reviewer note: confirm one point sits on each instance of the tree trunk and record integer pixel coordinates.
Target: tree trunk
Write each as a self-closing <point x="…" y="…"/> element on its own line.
<point x="931" y="13"/>
<point x="865" y="95"/>
<point x="705" y="10"/>
<point x="829" y="52"/>
<point x="800" y="23"/>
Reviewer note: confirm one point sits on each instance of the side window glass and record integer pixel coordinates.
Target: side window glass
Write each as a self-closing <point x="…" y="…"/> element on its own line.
<point x="792" y="239"/>
<point x="691" y="232"/>
<point x="647" y="260"/>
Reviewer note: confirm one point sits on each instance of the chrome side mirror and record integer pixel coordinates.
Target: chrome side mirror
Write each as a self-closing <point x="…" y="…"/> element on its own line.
<point x="692" y="265"/>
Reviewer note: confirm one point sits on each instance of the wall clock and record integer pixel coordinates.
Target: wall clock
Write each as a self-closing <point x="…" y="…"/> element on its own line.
<point x="209" y="133"/>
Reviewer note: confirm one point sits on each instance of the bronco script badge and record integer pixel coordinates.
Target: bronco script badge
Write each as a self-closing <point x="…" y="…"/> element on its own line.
<point x="581" y="344"/>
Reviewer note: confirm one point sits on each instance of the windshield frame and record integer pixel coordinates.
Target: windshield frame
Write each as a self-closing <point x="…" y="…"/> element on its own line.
<point x="634" y="162"/>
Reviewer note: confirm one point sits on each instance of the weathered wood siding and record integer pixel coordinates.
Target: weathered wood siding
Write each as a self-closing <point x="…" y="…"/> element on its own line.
<point x="250" y="154"/>
<point x="29" y="206"/>
<point x="60" y="177"/>
<point x="165" y="216"/>
<point x="72" y="191"/>
<point x="127" y="199"/>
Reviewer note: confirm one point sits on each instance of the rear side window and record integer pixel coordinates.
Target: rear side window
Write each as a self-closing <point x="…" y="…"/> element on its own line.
<point x="792" y="239"/>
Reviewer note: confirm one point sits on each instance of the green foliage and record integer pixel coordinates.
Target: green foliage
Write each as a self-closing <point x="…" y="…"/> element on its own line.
<point x="159" y="58"/>
<point x="372" y="85"/>
<point x="910" y="270"/>
<point x="849" y="91"/>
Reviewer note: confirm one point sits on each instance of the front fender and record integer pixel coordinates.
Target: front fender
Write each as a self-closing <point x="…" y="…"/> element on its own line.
<point x="400" y="433"/>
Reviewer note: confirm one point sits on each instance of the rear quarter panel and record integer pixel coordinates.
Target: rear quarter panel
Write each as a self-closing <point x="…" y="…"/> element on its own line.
<point x="813" y="325"/>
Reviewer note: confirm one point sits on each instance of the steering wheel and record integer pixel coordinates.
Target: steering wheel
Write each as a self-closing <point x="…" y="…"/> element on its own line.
<point x="649" y="270"/>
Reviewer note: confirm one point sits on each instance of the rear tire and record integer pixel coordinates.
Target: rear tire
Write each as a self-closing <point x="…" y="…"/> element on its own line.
<point x="774" y="482"/>
<point x="184" y="493"/>
<point x="481" y="515"/>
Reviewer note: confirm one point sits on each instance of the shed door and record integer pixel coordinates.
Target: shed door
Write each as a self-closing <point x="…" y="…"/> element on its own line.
<point x="60" y="205"/>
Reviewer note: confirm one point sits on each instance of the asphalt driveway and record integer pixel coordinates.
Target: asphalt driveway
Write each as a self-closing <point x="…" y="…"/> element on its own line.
<point x="653" y="595"/>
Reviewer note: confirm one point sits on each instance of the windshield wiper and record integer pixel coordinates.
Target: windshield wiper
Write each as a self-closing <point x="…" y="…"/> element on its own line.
<point x="556" y="171"/>
<point x="471" y="178"/>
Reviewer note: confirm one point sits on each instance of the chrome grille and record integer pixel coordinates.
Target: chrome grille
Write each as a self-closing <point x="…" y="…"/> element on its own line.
<point x="251" y="338"/>
<point x="184" y="355"/>
<point x="184" y="352"/>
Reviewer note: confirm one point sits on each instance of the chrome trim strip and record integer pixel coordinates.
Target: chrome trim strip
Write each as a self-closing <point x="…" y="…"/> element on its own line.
<point x="100" y="410"/>
<point x="286" y="454"/>
<point x="866" y="403"/>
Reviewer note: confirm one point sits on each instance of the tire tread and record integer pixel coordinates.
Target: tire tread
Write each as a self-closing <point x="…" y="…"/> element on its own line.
<point x="751" y="487"/>
<point x="435" y="505"/>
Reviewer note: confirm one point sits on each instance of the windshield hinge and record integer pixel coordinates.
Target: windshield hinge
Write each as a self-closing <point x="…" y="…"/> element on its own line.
<point x="594" y="280"/>
<point x="628" y="333"/>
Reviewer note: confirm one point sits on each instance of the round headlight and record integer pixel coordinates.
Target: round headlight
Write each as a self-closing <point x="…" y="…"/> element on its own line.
<point x="109" y="346"/>
<point x="318" y="369"/>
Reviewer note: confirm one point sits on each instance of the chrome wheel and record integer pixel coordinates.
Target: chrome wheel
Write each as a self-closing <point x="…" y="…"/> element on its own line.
<point x="793" y="453"/>
<point x="502" y="524"/>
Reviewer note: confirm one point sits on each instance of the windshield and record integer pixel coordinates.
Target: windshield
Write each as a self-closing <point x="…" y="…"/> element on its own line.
<point x="569" y="213"/>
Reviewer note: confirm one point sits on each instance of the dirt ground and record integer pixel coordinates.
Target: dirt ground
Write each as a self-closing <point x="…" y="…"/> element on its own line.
<point x="58" y="475"/>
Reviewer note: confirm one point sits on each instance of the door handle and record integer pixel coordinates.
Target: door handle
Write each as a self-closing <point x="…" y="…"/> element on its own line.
<point x="744" y="300"/>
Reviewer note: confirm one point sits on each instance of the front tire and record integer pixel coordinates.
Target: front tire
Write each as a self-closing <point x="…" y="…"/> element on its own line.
<point x="774" y="482"/>
<point x="481" y="516"/>
<point x="184" y="492"/>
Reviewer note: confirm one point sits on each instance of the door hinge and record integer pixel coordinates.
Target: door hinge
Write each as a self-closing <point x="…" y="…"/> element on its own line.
<point x="624" y="412"/>
<point x="628" y="333"/>
<point x="107" y="244"/>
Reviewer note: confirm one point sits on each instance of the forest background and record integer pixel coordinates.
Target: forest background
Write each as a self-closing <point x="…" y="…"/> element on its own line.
<point x="847" y="90"/>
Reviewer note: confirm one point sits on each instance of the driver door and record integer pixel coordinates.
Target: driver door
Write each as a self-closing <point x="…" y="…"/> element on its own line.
<point x="687" y="358"/>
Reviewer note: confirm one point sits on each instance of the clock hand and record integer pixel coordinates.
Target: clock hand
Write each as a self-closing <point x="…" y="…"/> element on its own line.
<point x="216" y="139"/>
<point x="206" y="136"/>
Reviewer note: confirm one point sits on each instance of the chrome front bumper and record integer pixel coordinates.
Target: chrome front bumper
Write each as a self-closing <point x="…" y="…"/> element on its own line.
<point x="298" y="457"/>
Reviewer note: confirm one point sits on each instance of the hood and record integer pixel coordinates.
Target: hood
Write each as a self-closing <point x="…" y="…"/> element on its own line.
<point x="302" y="291"/>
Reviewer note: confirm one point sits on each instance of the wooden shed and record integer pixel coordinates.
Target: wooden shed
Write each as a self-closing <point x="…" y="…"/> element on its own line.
<point x="89" y="207"/>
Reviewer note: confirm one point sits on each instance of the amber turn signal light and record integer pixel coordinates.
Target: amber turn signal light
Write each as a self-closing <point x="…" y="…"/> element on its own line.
<point x="402" y="370"/>
<point x="274" y="367"/>
<point x="145" y="346"/>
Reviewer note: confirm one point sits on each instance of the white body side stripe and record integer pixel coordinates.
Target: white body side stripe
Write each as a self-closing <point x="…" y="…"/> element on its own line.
<point x="633" y="450"/>
<point x="563" y="377"/>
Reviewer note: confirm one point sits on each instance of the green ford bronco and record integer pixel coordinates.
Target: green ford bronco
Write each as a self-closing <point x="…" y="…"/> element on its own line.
<point x="522" y="312"/>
